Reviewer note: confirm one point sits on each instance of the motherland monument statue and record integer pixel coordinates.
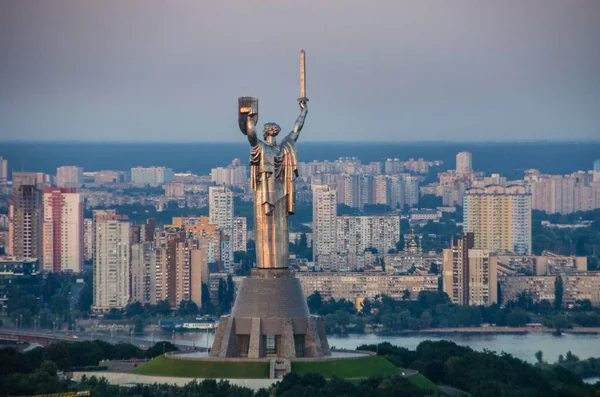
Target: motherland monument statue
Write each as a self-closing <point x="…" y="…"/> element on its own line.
<point x="270" y="317"/>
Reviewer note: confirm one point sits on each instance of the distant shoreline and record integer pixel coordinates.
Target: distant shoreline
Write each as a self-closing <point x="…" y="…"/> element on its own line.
<point x="495" y="330"/>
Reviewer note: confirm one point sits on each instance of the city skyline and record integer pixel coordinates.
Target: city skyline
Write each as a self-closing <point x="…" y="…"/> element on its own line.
<point x="111" y="71"/>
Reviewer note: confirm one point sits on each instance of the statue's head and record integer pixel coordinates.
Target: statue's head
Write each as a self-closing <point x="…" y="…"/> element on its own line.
<point x="271" y="130"/>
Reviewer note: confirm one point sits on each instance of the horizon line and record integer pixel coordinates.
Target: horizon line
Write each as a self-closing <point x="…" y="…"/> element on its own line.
<point x="76" y="141"/>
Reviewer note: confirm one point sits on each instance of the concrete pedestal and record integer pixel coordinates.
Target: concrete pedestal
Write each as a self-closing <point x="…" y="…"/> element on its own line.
<point x="270" y="318"/>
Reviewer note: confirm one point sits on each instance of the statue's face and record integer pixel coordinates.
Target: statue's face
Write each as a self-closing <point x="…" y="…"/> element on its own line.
<point x="271" y="130"/>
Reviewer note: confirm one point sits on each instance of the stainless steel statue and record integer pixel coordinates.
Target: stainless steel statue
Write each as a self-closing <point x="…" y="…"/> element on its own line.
<point x="273" y="175"/>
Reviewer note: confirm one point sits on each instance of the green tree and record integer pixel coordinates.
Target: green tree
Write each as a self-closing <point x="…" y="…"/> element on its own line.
<point x="57" y="353"/>
<point x="558" y="293"/>
<point x="230" y="294"/>
<point x="187" y="308"/>
<point x="433" y="269"/>
<point x="139" y="324"/>
<point x="366" y="307"/>
<point x="221" y="293"/>
<point x="207" y="306"/>
<point x="86" y="297"/>
<point x="315" y="302"/>
<point x="343" y="319"/>
<point x="163" y="307"/>
<point x="134" y="309"/>
<point x="160" y="348"/>
<point x="48" y="367"/>
<point x="539" y="356"/>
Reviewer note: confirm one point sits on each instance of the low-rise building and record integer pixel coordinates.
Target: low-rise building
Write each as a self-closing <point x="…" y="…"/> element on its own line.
<point x="420" y="217"/>
<point x="353" y="285"/>
<point x="576" y="286"/>
<point x="16" y="273"/>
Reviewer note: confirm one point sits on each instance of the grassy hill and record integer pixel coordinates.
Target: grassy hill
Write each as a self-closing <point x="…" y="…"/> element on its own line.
<point x="161" y="366"/>
<point x="360" y="368"/>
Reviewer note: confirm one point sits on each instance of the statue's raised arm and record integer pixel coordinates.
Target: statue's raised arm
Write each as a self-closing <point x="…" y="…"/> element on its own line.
<point x="299" y="121"/>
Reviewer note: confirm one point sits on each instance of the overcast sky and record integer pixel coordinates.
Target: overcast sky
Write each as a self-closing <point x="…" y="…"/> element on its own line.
<point x="387" y="70"/>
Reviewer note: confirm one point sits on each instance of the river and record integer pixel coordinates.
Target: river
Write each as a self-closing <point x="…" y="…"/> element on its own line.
<point x="523" y="346"/>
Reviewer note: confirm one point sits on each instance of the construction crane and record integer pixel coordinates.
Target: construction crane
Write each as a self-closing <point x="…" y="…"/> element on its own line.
<point x="68" y="394"/>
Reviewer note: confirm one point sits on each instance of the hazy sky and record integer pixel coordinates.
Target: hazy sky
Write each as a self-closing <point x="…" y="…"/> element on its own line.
<point x="392" y="70"/>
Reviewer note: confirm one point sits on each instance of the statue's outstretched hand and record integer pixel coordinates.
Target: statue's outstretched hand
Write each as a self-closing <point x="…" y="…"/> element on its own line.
<point x="302" y="104"/>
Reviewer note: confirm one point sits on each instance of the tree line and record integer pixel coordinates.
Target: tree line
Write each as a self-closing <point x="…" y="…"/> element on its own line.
<point x="434" y="310"/>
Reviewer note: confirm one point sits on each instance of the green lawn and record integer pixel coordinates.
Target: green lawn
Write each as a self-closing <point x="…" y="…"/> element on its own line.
<point x="421" y="381"/>
<point x="359" y="368"/>
<point x="161" y="366"/>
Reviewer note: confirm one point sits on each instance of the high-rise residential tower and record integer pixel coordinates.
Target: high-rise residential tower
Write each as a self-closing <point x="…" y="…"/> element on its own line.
<point x="62" y="230"/>
<point x="69" y="176"/>
<point x="500" y="218"/>
<point x="239" y="233"/>
<point x="469" y="277"/>
<point x="152" y="176"/>
<point x="220" y="213"/>
<point x="25" y="216"/>
<point x="464" y="163"/>
<point x="88" y="238"/>
<point x="3" y="176"/>
<point x="111" y="261"/>
<point x="143" y="273"/>
<point x="324" y="225"/>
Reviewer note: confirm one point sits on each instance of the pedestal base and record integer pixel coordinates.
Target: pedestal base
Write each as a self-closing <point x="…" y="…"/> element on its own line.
<point x="270" y="318"/>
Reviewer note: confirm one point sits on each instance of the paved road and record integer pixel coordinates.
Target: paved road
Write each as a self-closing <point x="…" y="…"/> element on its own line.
<point x="87" y="335"/>
<point x="74" y="295"/>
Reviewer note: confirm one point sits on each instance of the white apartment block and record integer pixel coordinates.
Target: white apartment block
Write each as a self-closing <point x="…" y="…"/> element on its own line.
<point x="464" y="163"/>
<point x="564" y="194"/>
<point x="411" y="190"/>
<point x="500" y="218"/>
<point x="88" y="239"/>
<point x="356" y="285"/>
<point x="3" y="176"/>
<point x="143" y="273"/>
<point x="69" y="176"/>
<point x="152" y="176"/>
<point x="357" y="233"/>
<point x="380" y="190"/>
<point x="239" y="233"/>
<point x="220" y="213"/>
<point x="174" y="189"/>
<point x="324" y="222"/>
<point x="220" y="208"/>
<point x="111" y="261"/>
<point x="576" y="286"/>
<point x="483" y="274"/>
<point x="234" y="174"/>
<point x="396" y="189"/>
<point x="62" y="230"/>
<point x="469" y="276"/>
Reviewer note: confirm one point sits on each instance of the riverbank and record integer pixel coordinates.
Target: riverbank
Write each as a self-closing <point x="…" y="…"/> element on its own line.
<point x="499" y="330"/>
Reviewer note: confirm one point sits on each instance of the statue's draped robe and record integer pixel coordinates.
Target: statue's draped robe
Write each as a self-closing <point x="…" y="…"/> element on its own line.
<point x="273" y="174"/>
